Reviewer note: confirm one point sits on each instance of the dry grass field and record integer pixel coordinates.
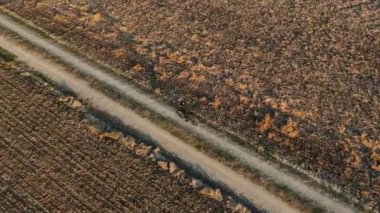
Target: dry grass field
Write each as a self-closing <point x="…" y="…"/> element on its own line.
<point x="52" y="160"/>
<point x="298" y="79"/>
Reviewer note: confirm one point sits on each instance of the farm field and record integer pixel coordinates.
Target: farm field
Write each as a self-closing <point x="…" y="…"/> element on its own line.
<point x="297" y="79"/>
<point x="52" y="159"/>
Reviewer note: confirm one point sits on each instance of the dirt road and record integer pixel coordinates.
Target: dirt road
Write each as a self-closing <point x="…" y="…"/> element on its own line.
<point x="171" y="143"/>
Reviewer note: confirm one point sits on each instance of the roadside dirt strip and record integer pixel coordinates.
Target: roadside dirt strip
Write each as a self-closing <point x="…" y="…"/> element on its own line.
<point x="214" y="169"/>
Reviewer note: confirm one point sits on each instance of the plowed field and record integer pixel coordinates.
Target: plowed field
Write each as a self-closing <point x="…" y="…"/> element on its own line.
<point x="50" y="160"/>
<point x="296" y="79"/>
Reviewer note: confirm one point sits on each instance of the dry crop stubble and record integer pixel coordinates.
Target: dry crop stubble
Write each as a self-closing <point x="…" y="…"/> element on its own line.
<point x="51" y="160"/>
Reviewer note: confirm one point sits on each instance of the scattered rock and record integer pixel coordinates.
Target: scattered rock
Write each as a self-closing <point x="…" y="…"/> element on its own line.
<point x="215" y="194"/>
<point x="142" y="150"/>
<point x="25" y="74"/>
<point x="163" y="165"/>
<point x="181" y="174"/>
<point x="157" y="150"/>
<point x="71" y="101"/>
<point x="230" y="202"/>
<point x="94" y="130"/>
<point x="64" y="98"/>
<point x="196" y="183"/>
<point x="241" y="209"/>
<point x="172" y="167"/>
<point x="129" y="143"/>
<point x="218" y="195"/>
<point x="75" y="103"/>
<point x="115" y="136"/>
<point x="157" y="157"/>
<point x="157" y="91"/>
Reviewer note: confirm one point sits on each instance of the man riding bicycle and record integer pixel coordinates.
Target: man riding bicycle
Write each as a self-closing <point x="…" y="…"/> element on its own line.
<point x="183" y="109"/>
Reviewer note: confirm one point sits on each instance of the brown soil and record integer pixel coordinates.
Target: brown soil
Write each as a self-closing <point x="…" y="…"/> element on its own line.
<point x="300" y="79"/>
<point x="52" y="160"/>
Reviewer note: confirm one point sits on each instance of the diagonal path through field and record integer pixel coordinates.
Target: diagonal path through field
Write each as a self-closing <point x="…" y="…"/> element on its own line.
<point x="171" y="143"/>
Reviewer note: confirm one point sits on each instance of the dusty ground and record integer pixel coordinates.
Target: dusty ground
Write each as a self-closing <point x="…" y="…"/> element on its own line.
<point x="200" y="162"/>
<point x="50" y="160"/>
<point x="293" y="76"/>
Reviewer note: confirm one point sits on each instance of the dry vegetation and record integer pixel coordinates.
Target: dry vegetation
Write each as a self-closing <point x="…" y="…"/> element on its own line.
<point x="51" y="159"/>
<point x="298" y="78"/>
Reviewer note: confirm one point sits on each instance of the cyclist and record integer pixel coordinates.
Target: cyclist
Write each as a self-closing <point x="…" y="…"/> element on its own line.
<point x="183" y="109"/>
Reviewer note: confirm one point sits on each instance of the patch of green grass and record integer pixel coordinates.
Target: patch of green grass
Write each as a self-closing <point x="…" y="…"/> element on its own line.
<point x="6" y="56"/>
